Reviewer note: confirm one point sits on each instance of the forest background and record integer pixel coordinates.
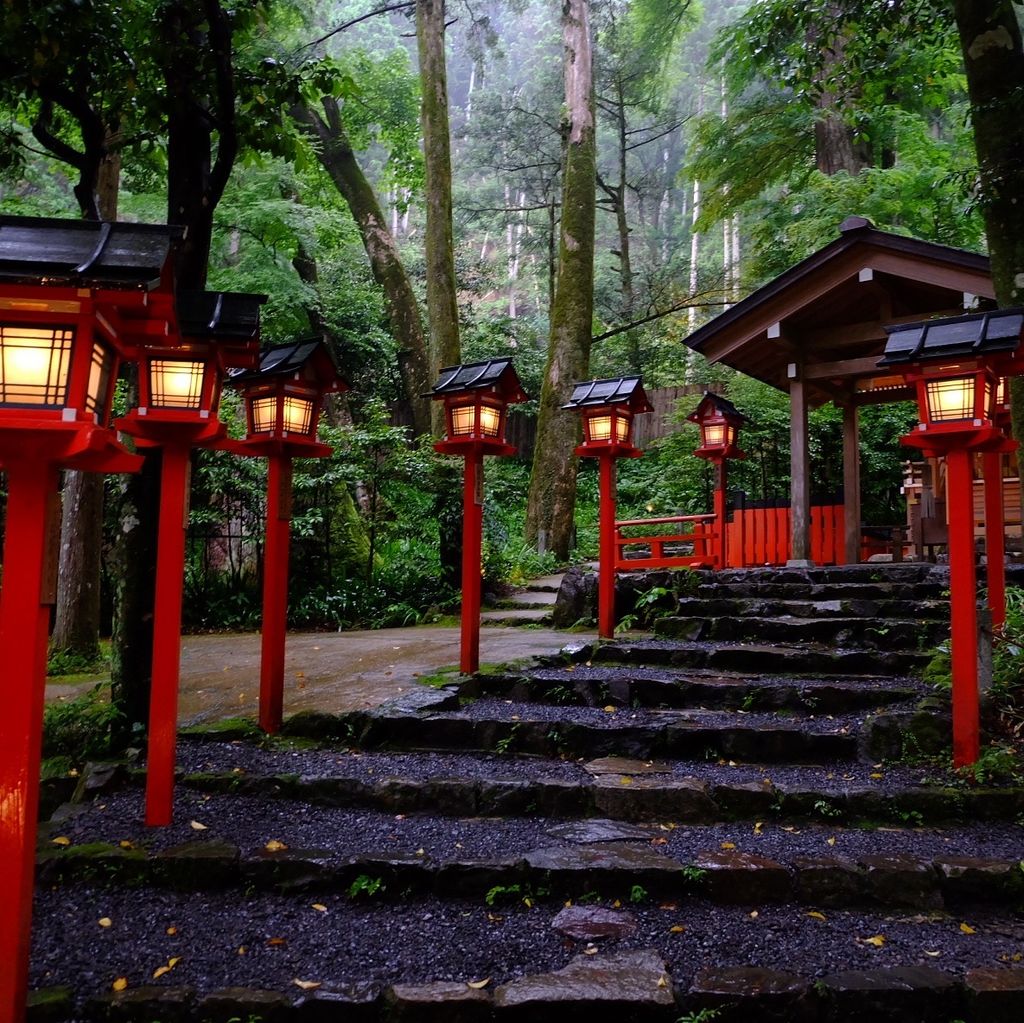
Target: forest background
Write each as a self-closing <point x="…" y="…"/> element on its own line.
<point x="402" y="178"/>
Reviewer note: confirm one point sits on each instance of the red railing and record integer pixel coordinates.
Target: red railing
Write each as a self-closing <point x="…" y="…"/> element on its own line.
<point x="691" y="548"/>
<point x="754" y="536"/>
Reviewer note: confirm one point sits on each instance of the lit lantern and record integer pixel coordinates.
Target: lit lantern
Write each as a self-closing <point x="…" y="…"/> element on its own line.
<point x="953" y="364"/>
<point x="719" y="421"/>
<point x="284" y="396"/>
<point x="607" y="408"/>
<point x="476" y="397"/>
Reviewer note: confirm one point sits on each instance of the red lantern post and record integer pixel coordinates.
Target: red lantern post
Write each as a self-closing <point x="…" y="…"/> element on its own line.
<point x="719" y="421"/>
<point x="950" y="362"/>
<point x="65" y="295"/>
<point x="282" y="404"/>
<point x="476" y="397"/>
<point x="607" y="408"/>
<point x="179" y="394"/>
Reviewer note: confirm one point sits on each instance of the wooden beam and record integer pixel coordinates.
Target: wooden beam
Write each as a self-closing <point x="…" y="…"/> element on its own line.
<point x="842" y="369"/>
<point x="851" y="484"/>
<point x="800" y="471"/>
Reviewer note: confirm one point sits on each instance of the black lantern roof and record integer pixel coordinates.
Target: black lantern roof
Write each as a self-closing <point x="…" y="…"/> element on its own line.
<point x="613" y="391"/>
<point x="496" y="374"/>
<point x="717" y="405"/>
<point x="220" y="315"/>
<point x="47" y="250"/>
<point x="954" y="337"/>
<point x="290" y="359"/>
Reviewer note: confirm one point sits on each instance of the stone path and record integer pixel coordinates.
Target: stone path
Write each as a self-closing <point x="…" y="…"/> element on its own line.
<point x="700" y="822"/>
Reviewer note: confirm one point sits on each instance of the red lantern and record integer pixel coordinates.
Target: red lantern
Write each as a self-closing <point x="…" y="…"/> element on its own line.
<point x="719" y="421"/>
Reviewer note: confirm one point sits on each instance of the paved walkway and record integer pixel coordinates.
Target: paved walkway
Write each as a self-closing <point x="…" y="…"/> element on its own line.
<point x="331" y="671"/>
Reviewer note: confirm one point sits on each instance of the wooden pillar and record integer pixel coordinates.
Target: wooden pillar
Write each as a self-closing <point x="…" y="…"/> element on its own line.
<point x="851" y="484"/>
<point x="800" y="471"/>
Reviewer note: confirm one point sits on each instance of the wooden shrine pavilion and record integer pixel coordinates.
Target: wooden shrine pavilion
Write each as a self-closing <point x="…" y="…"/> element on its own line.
<point x="817" y="332"/>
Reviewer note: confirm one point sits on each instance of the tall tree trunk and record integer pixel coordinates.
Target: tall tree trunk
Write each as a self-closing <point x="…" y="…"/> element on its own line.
<point x="338" y="159"/>
<point x="439" y="244"/>
<point x="76" y="629"/>
<point x="552" y="495"/>
<point x="990" y="38"/>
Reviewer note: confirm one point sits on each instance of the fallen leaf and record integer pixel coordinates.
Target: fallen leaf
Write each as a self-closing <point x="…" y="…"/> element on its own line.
<point x="617" y="904"/>
<point x="677" y="929"/>
<point x="934" y="955"/>
<point x="126" y="844"/>
<point x="476" y="985"/>
<point x="275" y="846"/>
<point x="671" y="907"/>
<point x="319" y="907"/>
<point x="878" y="940"/>
<point x="62" y="840"/>
<point x="105" y="921"/>
<point x="590" y="950"/>
<point x="815" y="915"/>
<point x="172" y="931"/>
<point x="196" y="826"/>
<point x="421" y="852"/>
<point x="160" y="971"/>
<point x="757" y="827"/>
<point x="754" y="915"/>
<point x="625" y="779"/>
<point x="967" y="929"/>
<point x="609" y="709"/>
<point x="307" y="985"/>
<point x="528" y="902"/>
<point x="876" y="775"/>
<point x="242" y="950"/>
<point x="663" y="981"/>
<point x="277" y="942"/>
<point x="728" y="845"/>
<point x="659" y="841"/>
<point x="830" y="841"/>
<point x="120" y="984"/>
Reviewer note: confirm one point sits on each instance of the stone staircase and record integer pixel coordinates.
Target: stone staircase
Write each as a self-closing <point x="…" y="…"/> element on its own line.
<point x="700" y="825"/>
<point x="532" y="605"/>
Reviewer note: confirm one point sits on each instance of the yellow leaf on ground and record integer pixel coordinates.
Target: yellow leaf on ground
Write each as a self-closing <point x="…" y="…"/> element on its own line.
<point x="677" y="929"/>
<point x="831" y="840"/>
<point x="934" y="955"/>
<point x="126" y="844"/>
<point x="815" y="915"/>
<point x="625" y="779"/>
<point x="758" y="825"/>
<point x="610" y="709"/>
<point x="663" y="981"/>
<point x="878" y="940"/>
<point x="476" y="985"/>
<point x="307" y="985"/>
<point x="877" y="774"/>
<point x="728" y="845"/>
<point x="173" y="961"/>
<point x="196" y="826"/>
<point x="277" y="942"/>
<point x="242" y="950"/>
<point x="967" y="929"/>
<point x="62" y="840"/>
<point x="275" y="846"/>
<point x="617" y="904"/>
<point x="528" y="902"/>
<point x="172" y="931"/>
<point x="120" y="984"/>
<point x="671" y="907"/>
<point x="319" y="907"/>
<point x="160" y="971"/>
<point x="590" y="950"/>
<point x="754" y="915"/>
<point x="105" y="921"/>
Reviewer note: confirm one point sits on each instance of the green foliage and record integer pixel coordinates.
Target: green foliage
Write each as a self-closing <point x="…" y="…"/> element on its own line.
<point x="80" y="728"/>
<point x="365" y="887"/>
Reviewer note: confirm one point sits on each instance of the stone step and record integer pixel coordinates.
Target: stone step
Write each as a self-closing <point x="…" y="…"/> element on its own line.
<point x="596" y="687"/>
<point x="516" y="617"/>
<point x="281" y="845"/>
<point x="529" y="599"/>
<point x="804" y="590"/>
<point x="641" y="962"/>
<point x="937" y="610"/>
<point x="760" y="658"/>
<point x="844" y="633"/>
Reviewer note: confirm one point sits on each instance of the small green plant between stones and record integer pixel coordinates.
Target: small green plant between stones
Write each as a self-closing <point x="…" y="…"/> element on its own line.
<point x="637" y="893"/>
<point x="693" y="875"/>
<point x="365" y="886"/>
<point x="504" y="745"/>
<point x="823" y="808"/>
<point x="704" y="1016"/>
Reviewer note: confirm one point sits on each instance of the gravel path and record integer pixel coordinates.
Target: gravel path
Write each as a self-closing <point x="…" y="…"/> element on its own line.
<point x="267" y="941"/>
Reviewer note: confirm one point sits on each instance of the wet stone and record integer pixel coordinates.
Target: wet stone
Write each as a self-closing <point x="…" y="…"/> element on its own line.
<point x="353" y="1003"/>
<point x="902" y="880"/>
<point x="745" y="993"/>
<point x="209" y="864"/>
<point x="626" y="765"/>
<point x="745" y="799"/>
<point x="739" y="878"/>
<point x="995" y="995"/>
<point x="600" y="867"/>
<point x="49" y="1005"/>
<point x="437" y="1002"/>
<point x="471" y="877"/>
<point x="891" y="996"/>
<point x="590" y="923"/>
<point x="97" y="778"/>
<point x="167" y="1004"/>
<point x="973" y="878"/>
<point x="653" y="798"/>
<point x="827" y="880"/>
<point x="634" y="983"/>
<point x="585" y="832"/>
<point x="233" y="1003"/>
<point x="560" y="797"/>
<point x="291" y="869"/>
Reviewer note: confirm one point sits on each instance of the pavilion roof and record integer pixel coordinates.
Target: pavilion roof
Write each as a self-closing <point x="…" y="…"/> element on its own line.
<point x="824" y="318"/>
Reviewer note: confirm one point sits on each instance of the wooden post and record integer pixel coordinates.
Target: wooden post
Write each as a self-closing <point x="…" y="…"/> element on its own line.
<point x="720" y="476"/>
<point x="472" y="530"/>
<point x="170" y="580"/>
<point x="24" y="622"/>
<point x="800" y="472"/>
<point x="275" y="592"/>
<point x="607" y="552"/>
<point x="963" y="606"/>
<point x="851" y="484"/>
<point x="995" y="538"/>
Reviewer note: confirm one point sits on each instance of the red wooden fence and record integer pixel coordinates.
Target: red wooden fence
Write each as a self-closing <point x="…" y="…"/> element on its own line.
<point x="753" y="537"/>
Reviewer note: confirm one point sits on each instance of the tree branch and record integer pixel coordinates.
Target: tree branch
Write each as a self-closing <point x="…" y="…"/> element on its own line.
<point x="356" y="21"/>
<point x="654" y="316"/>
